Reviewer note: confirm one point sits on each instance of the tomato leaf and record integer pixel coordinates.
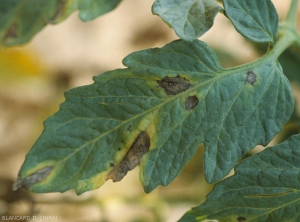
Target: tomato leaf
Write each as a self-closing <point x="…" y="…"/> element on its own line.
<point x="91" y="9"/>
<point x="290" y="60"/>
<point x="265" y="188"/>
<point x="190" y="18"/>
<point x="21" y="19"/>
<point x="256" y="20"/>
<point x="155" y="113"/>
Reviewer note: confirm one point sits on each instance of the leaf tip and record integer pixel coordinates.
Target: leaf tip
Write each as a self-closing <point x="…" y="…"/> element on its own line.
<point x="34" y="178"/>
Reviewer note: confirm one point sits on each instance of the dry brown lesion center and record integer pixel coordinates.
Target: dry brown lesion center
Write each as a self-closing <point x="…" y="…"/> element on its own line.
<point x="132" y="158"/>
<point x="251" y="77"/>
<point x="36" y="177"/>
<point x="190" y="102"/>
<point x="174" y="85"/>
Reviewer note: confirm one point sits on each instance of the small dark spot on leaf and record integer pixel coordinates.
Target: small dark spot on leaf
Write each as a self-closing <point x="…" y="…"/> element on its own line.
<point x="129" y="128"/>
<point x="12" y="31"/>
<point x="111" y="164"/>
<point x="190" y="102"/>
<point x="174" y="85"/>
<point x="32" y="179"/>
<point x="132" y="158"/>
<point x="241" y="219"/>
<point x="251" y="77"/>
<point x="119" y="148"/>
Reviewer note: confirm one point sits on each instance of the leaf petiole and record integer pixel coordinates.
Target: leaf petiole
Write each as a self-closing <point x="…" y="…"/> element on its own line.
<point x="287" y="37"/>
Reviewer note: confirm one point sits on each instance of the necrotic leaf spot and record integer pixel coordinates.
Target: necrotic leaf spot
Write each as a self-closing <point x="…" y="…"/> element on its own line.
<point x="174" y="85"/>
<point x="33" y="178"/>
<point x="132" y="158"/>
<point x="190" y="102"/>
<point x="251" y="77"/>
<point x="241" y="219"/>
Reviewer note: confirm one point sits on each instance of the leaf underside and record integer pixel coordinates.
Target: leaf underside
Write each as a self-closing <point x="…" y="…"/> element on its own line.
<point x="190" y="18"/>
<point x="20" y="20"/>
<point x="265" y="188"/>
<point x="176" y="97"/>
<point x="256" y="20"/>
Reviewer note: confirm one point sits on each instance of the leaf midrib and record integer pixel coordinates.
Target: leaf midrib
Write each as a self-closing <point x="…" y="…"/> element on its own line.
<point x="224" y="73"/>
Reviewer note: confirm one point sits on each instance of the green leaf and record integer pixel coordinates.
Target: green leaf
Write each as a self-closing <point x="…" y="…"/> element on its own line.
<point x="290" y="60"/>
<point x="91" y="9"/>
<point x="190" y="18"/>
<point x="21" y="19"/>
<point x="256" y="20"/>
<point x="265" y="188"/>
<point x="155" y="113"/>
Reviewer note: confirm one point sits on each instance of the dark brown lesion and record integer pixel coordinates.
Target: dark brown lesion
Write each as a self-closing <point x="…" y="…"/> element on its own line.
<point x="174" y="85"/>
<point x="132" y="158"/>
<point x="241" y="219"/>
<point x="190" y="102"/>
<point x="251" y="77"/>
<point x="36" y="177"/>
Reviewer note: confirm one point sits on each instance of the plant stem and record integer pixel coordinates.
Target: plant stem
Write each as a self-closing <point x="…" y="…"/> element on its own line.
<point x="292" y="14"/>
<point x="288" y="37"/>
<point x="287" y="31"/>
